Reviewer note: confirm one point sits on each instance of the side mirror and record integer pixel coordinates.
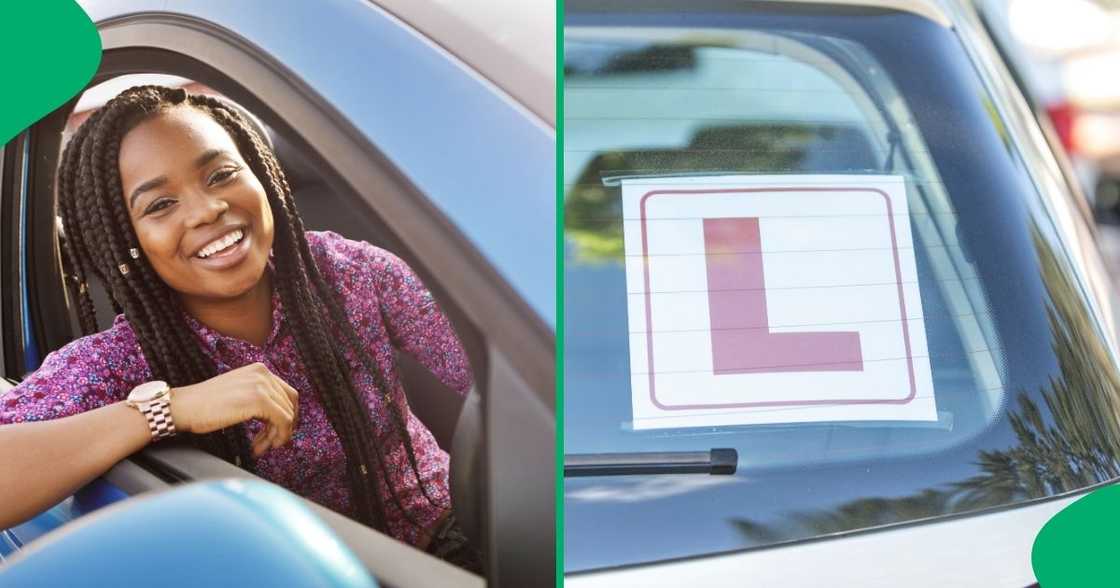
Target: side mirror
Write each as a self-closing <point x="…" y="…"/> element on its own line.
<point x="218" y="533"/>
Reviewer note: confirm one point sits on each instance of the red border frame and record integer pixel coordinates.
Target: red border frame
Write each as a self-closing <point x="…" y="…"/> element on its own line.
<point x="898" y="279"/>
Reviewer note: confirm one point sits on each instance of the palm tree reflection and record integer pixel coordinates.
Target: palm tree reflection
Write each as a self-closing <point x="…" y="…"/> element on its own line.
<point x="1073" y="443"/>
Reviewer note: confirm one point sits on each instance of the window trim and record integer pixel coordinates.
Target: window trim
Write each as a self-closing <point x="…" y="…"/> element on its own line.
<point x="13" y="169"/>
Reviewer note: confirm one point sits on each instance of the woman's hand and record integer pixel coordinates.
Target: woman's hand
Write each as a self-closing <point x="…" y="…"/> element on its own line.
<point x="249" y="392"/>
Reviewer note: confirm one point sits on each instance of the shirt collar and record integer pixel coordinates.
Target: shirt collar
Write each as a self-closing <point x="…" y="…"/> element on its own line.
<point x="213" y="340"/>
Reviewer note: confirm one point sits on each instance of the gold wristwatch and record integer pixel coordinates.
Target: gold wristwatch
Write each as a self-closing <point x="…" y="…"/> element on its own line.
<point x="153" y="400"/>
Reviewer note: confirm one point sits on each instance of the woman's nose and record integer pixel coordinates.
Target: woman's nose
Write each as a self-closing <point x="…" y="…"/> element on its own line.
<point x="205" y="210"/>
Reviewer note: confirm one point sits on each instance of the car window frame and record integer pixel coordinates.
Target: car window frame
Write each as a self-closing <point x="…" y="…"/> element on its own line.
<point x="156" y="468"/>
<point x="11" y="275"/>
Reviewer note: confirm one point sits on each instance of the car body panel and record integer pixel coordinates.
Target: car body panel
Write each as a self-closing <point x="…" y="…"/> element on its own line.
<point x="511" y="42"/>
<point x="89" y="498"/>
<point x="986" y="550"/>
<point x="263" y="535"/>
<point x="1062" y="200"/>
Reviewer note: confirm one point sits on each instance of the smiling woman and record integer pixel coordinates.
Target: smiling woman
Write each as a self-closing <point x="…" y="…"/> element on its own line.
<point x="175" y="202"/>
<point x="211" y="250"/>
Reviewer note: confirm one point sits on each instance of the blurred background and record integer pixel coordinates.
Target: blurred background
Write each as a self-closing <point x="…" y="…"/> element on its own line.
<point x="1066" y="57"/>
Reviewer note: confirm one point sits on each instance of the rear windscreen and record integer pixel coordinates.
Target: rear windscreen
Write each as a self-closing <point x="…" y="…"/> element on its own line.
<point x="804" y="237"/>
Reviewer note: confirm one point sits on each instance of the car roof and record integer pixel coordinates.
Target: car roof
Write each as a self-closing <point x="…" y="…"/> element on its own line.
<point x="510" y="42"/>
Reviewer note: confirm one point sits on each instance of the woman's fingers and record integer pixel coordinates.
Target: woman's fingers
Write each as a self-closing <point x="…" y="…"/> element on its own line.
<point x="283" y="393"/>
<point x="289" y="398"/>
<point x="248" y="392"/>
<point x="262" y="441"/>
<point x="284" y="422"/>
<point x="265" y="438"/>
<point x="279" y="423"/>
<point x="293" y="397"/>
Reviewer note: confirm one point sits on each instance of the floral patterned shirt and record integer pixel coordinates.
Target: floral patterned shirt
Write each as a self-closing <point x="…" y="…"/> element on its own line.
<point x="390" y="309"/>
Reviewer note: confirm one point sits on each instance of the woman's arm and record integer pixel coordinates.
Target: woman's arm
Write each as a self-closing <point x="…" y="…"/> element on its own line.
<point x="65" y="424"/>
<point x="43" y="462"/>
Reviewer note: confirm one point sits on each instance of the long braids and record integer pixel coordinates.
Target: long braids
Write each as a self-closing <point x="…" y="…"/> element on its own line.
<point x="99" y="235"/>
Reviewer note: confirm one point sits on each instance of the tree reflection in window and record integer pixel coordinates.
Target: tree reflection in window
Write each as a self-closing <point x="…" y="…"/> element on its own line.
<point x="593" y="210"/>
<point x="1070" y="442"/>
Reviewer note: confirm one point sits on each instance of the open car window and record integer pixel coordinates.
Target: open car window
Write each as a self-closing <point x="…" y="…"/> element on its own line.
<point x="676" y="125"/>
<point x="323" y="207"/>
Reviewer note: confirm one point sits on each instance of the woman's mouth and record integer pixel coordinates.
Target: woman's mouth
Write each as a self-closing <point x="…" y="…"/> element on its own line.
<point x="225" y="251"/>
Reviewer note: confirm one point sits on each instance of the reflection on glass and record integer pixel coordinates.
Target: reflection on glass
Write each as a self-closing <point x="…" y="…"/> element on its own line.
<point x="1069" y="444"/>
<point x="595" y="228"/>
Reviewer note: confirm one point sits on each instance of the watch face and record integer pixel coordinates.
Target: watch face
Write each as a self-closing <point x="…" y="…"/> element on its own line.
<point x="148" y="391"/>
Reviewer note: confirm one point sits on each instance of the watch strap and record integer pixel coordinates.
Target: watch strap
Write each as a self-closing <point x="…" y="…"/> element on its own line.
<point x="158" y="414"/>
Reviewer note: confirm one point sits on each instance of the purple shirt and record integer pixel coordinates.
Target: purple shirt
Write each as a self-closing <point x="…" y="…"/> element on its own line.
<point x="390" y="309"/>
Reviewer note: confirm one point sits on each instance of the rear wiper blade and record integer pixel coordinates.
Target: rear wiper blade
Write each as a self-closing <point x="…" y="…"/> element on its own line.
<point x="717" y="462"/>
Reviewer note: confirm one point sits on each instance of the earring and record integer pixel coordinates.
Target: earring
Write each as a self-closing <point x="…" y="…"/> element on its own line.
<point x="124" y="269"/>
<point x="134" y="252"/>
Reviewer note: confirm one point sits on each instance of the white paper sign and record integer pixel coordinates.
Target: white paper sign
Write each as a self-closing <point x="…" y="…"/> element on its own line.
<point x="773" y="299"/>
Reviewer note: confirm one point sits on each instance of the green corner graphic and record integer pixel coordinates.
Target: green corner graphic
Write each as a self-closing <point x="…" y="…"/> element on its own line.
<point x="1077" y="547"/>
<point x="51" y="50"/>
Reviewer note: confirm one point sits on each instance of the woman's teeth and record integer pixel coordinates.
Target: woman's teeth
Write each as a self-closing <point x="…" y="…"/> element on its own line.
<point x="220" y="244"/>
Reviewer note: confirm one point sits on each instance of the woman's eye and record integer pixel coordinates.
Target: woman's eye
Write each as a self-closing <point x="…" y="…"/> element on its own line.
<point x="222" y="175"/>
<point x="158" y="205"/>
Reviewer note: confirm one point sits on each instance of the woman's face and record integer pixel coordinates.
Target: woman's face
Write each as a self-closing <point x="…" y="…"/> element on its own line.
<point x="202" y="217"/>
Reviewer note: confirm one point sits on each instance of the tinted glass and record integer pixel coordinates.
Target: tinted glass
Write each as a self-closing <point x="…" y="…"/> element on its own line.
<point x="1024" y="385"/>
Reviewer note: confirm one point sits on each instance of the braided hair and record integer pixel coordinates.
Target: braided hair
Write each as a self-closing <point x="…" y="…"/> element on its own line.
<point x="99" y="235"/>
